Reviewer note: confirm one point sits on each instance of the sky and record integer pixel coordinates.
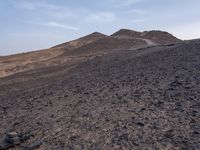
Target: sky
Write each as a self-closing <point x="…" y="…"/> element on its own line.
<point x="27" y="25"/>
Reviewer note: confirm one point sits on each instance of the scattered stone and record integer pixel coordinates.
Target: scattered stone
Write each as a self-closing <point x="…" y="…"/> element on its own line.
<point x="169" y="134"/>
<point x="196" y="133"/>
<point x="12" y="138"/>
<point x="140" y="124"/>
<point x="12" y="135"/>
<point x="33" y="146"/>
<point x="15" y="140"/>
<point x="25" y="136"/>
<point x="175" y="83"/>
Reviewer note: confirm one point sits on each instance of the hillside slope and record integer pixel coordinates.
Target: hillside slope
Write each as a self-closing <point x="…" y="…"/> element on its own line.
<point x="141" y="99"/>
<point x="42" y="58"/>
<point x="71" y="52"/>
<point x="83" y="49"/>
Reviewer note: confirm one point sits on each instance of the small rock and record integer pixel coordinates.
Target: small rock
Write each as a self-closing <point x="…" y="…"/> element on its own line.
<point x="11" y="135"/>
<point x="175" y="83"/>
<point x="140" y="124"/>
<point x="11" y="139"/>
<point x="33" y="146"/>
<point x="196" y="133"/>
<point x="4" y="146"/>
<point x="15" y="140"/>
<point x="169" y="134"/>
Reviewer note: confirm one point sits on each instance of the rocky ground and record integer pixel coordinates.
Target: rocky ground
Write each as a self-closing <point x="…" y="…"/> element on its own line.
<point x="143" y="99"/>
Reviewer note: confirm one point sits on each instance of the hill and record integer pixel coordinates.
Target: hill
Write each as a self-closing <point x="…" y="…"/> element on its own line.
<point x="42" y="58"/>
<point x="146" y="98"/>
<point x="156" y="37"/>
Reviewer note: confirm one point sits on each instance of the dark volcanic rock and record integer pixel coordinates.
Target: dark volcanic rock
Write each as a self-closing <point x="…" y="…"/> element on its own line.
<point x="142" y="99"/>
<point x="33" y="146"/>
<point x="10" y="140"/>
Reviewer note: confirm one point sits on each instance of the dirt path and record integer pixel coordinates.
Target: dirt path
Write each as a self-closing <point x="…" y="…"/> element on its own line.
<point x="148" y="41"/>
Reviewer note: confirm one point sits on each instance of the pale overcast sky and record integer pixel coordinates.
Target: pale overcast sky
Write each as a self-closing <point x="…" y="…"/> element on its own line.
<point x="36" y="24"/>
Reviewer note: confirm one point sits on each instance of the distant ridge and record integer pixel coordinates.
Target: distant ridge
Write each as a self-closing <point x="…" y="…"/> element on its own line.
<point x="159" y="37"/>
<point x="127" y="32"/>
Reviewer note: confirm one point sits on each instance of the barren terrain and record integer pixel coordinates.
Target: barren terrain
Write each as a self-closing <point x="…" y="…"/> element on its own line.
<point x="82" y="49"/>
<point x="111" y="95"/>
